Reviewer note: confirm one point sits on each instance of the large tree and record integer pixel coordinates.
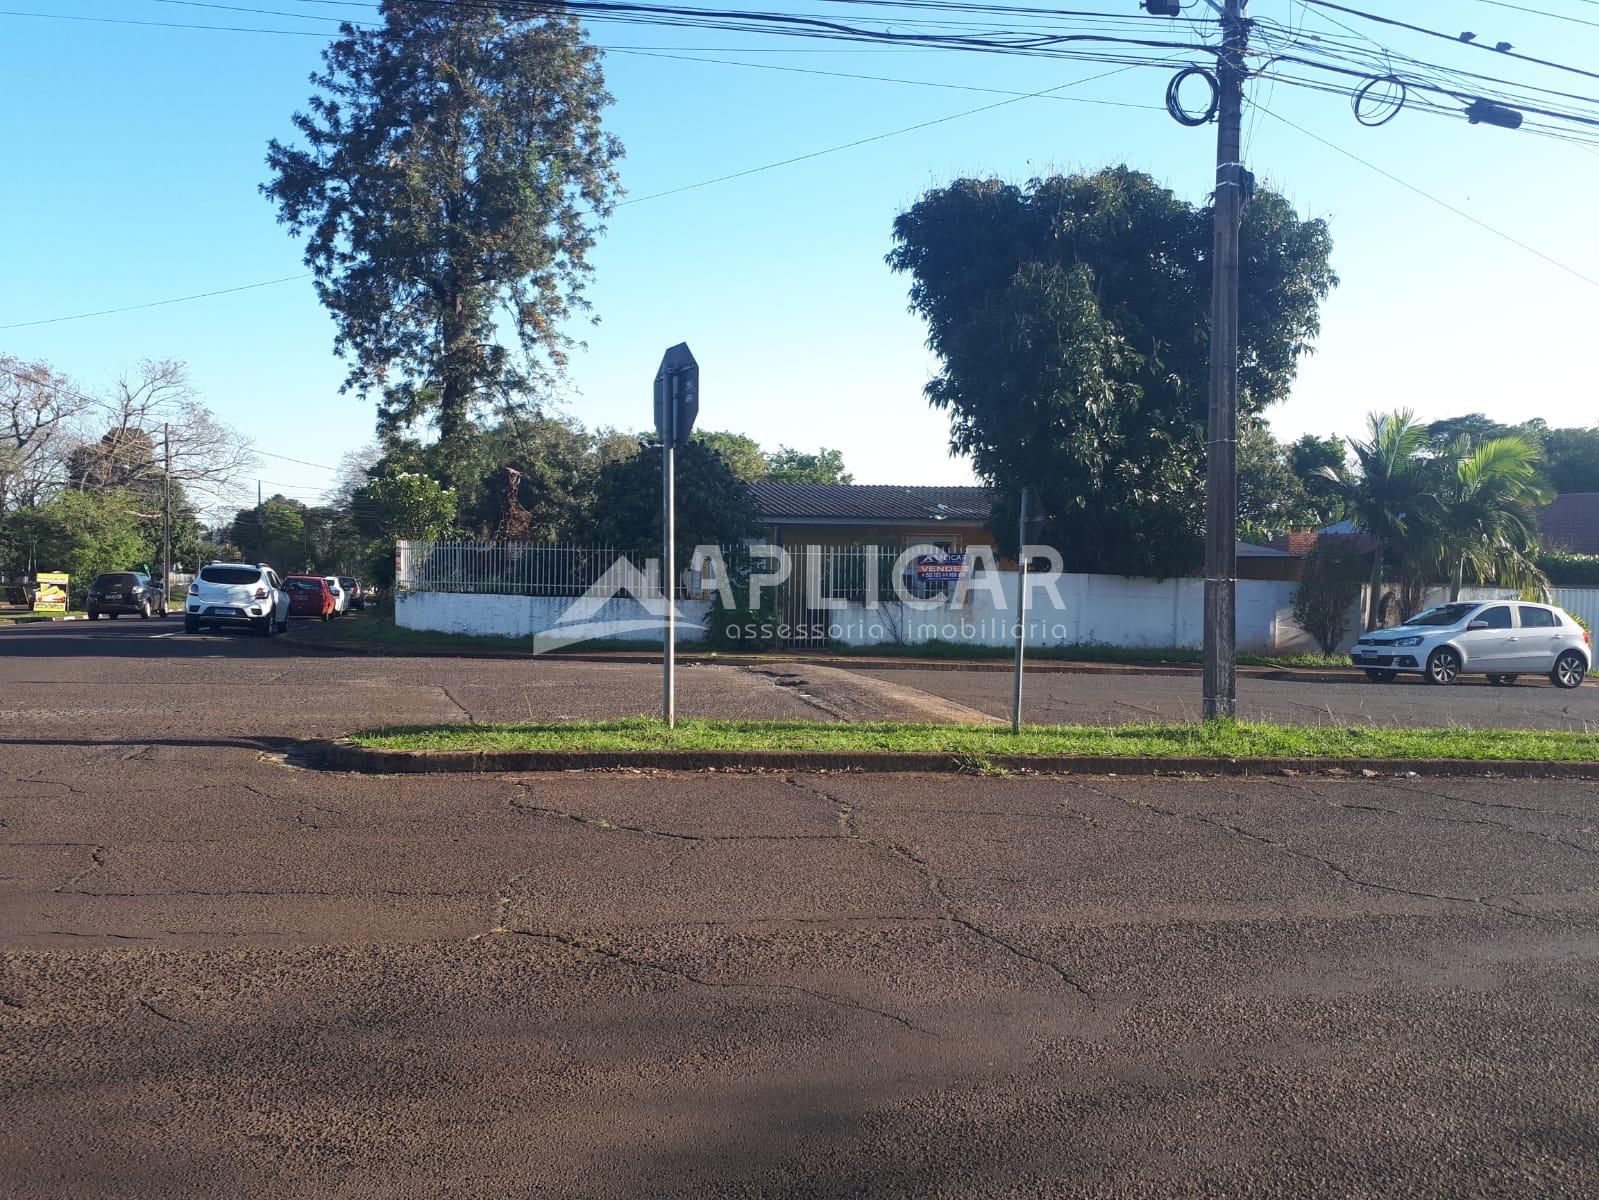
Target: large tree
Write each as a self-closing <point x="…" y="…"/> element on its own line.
<point x="450" y="179"/>
<point x="1072" y="316"/>
<point x="713" y="507"/>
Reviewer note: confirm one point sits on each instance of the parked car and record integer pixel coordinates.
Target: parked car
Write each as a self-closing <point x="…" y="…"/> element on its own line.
<point x="237" y="594"/>
<point x="310" y="596"/>
<point x="353" y="589"/>
<point x="1502" y="639"/>
<point x="116" y="592"/>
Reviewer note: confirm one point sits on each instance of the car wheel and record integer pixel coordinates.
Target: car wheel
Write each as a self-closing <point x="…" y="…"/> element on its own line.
<point x="144" y="610"/>
<point x="93" y="616"/>
<point x="266" y="626"/>
<point x="1570" y="670"/>
<point x="1377" y="676"/>
<point x="1502" y="680"/>
<point x="113" y="616"/>
<point x="191" y="625"/>
<point x="1443" y="666"/>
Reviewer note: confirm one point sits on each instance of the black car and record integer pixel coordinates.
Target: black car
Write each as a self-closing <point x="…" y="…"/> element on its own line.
<point x="118" y="592"/>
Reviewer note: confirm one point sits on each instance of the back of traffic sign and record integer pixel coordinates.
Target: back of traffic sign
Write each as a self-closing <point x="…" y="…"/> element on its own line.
<point x="677" y="395"/>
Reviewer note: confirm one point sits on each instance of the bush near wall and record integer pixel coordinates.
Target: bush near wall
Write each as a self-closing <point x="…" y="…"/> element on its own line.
<point x="1565" y="569"/>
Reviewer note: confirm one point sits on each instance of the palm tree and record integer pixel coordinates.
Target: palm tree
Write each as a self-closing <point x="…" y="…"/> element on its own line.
<point x="1482" y="518"/>
<point x="1387" y="496"/>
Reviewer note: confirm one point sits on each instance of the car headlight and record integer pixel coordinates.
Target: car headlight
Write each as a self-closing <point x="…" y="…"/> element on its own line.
<point x="1409" y="641"/>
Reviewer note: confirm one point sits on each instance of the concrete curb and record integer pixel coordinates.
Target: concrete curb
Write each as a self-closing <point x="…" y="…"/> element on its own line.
<point x="342" y="755"/>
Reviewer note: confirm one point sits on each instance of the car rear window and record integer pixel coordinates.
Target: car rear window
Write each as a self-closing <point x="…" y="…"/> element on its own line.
<point x="116" y="579"/>
<point x="233" y="575"/>
<point x="305" y="585"/>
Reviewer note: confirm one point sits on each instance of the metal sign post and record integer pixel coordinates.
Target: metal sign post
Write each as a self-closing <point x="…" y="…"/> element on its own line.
<point x="1030" y="516"/>
<point x="677" y="404"/>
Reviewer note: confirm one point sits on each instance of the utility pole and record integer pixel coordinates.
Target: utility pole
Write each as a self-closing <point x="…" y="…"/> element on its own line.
<point x="1221" y="443"/>
<point x="166" y="508"/>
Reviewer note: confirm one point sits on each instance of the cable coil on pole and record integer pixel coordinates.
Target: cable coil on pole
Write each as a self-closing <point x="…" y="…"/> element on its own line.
<point x="1385" y="108"/>
<point x="1174" y="103"/>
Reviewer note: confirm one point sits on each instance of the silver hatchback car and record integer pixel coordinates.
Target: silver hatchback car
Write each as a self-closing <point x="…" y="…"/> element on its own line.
<point x="1502" y="639"/>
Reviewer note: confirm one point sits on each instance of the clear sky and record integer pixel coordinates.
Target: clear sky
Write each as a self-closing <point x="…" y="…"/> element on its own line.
<point x="134" y="155"/>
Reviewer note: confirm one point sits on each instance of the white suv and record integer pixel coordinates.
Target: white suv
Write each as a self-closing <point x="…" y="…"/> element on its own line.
<point x="1500" y="639"/>
<point x="237" y="594"/>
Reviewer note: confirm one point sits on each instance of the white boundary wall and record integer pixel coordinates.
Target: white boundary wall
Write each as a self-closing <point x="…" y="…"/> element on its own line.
<point x="486" y="615"/>
<point x="1109" y="609"/>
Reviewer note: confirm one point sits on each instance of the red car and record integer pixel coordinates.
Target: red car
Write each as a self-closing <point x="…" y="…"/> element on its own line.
<point x="310" y="596"/>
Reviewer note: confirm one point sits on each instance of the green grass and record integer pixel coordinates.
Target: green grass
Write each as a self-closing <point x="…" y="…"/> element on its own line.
<point x="1219" y="739"/>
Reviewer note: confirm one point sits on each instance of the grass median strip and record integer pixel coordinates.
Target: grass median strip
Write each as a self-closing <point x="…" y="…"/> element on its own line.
<point x="1220" y="739"/>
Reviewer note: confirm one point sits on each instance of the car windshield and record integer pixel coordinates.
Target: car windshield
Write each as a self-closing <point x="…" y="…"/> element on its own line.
<point x="347" y="582"/>
<point x="1444" y="614"/>
<point x="233" y="575"/>
<point x="116" y="579"/>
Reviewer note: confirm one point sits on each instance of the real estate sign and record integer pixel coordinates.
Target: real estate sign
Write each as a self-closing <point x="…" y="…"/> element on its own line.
<point x="52" y="593"/>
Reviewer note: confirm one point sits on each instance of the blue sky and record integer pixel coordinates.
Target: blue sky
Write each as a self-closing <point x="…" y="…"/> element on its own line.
<point x="135" y="153"/>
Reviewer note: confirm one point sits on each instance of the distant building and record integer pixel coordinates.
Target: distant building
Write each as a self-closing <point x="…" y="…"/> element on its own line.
<point x="1571" y="523"/>
<point x="951" y="518"/>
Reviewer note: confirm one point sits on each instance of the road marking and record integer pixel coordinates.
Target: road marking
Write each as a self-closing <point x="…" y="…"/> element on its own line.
<point x="174" y="633"/>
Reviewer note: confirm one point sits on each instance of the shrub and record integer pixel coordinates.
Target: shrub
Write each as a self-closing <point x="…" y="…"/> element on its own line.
<point x="1566" y="569"/>
<point x="1328" y="587"/>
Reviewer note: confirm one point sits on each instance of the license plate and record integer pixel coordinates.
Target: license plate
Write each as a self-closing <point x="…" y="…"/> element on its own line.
<point x="224" y="612"/>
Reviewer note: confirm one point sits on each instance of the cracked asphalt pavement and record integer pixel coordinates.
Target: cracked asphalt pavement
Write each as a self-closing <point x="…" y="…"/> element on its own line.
<point x="222" y="973"/>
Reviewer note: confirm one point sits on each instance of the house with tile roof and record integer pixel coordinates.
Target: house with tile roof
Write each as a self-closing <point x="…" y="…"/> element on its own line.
<point x="1571" y="523"/>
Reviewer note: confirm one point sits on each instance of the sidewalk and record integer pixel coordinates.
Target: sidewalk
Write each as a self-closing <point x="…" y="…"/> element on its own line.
<point x="335" y="638"/>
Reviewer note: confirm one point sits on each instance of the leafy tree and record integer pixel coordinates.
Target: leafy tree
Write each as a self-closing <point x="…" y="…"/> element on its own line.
<point x="452" y="165"/>
<point x="1071" y="317"/>
<point x="1573" y="459"/>
<point x="1387" y="496"/>
<point x="743" y="455"/>
<point x="1475" y="426"/>
<point x="1329" y="584"/>
<point x="1482" y="517"/>
<point x="273" y="532"/>
<point x="713" y="506"/>
<point x="82" y="534"/>
<point x="1271" y="497"/>
<point x="786" y="465"/>
<point x="1312" y="459"/>
<point x="405" y="505"/>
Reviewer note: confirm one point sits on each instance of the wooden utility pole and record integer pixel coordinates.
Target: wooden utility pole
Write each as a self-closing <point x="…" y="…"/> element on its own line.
<point x="1221" y="444"/>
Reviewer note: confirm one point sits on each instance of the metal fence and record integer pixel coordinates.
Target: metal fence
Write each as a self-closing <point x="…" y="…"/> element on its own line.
<point x="501" y="568"/>
<point x="852" y="573"/>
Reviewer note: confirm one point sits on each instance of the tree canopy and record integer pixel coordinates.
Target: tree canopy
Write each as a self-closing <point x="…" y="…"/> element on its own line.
<point x="450" y="181"/>
<point x="1071" y="317"/>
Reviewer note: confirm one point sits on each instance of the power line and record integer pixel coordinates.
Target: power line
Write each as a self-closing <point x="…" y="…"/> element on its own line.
<point x="1426" y="195"/>
<point x="106" y="312"/>
<point x="1475" y="45"/>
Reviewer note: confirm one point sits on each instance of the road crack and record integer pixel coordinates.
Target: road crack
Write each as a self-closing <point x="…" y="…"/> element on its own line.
<point x="848" y="821"/>
<point x="685" y="976"/>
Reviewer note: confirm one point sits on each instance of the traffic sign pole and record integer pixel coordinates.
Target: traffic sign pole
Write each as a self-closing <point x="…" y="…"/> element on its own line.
<point x="669" y="552"/>
<point x="1021" y="612"/>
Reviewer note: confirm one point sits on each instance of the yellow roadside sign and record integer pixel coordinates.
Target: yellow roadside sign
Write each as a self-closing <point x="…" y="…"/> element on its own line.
<point x="52" y="593"/>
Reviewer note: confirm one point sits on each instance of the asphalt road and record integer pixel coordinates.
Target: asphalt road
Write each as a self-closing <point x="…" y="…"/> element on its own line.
<point x="222" y="973"/>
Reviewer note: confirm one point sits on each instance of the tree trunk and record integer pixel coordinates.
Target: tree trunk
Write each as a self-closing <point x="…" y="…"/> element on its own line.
<point x="1459" y="579"/>
<point x="1374" y="600"/>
